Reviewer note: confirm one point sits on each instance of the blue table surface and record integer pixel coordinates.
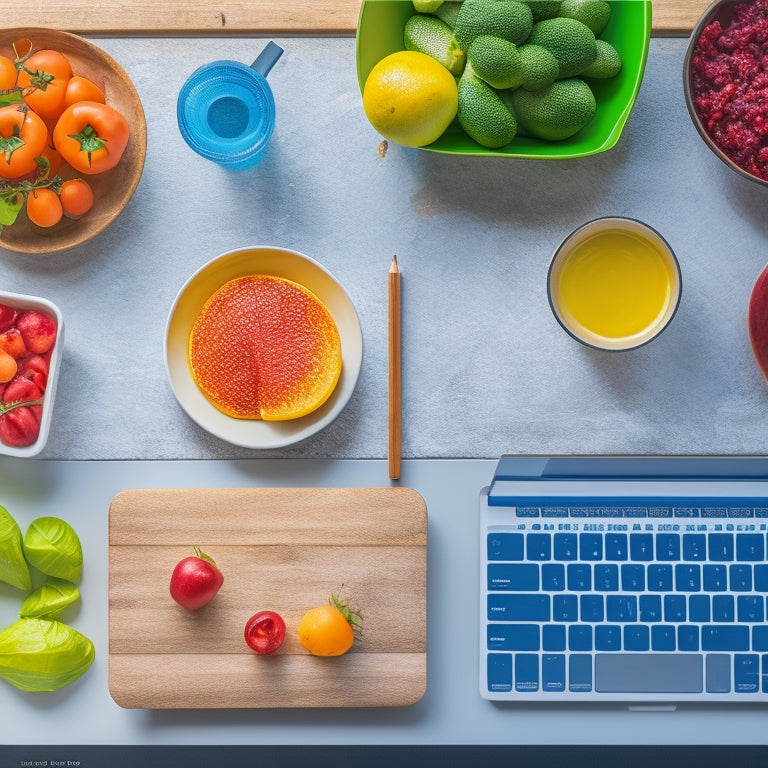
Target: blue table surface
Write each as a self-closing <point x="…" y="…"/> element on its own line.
<point x="486" y="368"/>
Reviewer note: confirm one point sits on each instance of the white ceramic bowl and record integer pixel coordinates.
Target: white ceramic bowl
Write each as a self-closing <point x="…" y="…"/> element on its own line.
<point x="22" y="302"/>
<point x="278" y="262"/>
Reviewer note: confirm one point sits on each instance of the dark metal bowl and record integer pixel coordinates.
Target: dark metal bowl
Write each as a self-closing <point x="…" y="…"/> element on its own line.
<point x="722" y="11"/>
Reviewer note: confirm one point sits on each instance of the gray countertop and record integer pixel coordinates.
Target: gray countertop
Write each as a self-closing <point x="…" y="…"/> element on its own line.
<point x="486" y="368"/>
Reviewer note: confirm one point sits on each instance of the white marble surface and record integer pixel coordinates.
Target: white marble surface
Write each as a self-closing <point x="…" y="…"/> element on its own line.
<point x="487" y="369"/>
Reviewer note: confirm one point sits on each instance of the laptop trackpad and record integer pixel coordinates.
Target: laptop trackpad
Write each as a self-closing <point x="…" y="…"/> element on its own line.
<point x="648" y="673"/>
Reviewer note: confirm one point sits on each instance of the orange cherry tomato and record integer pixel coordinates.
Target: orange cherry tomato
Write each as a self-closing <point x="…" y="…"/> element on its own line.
<point x="76" y="197"/>
<point x="44" y="207"/>
<point x="8" y="74"/>
<point x="23" y="137"/>
<point x="44" y="76"/>
<point x="327" y="630"/>
<point x="82" y="89"/>
<point x="91" y="137"/>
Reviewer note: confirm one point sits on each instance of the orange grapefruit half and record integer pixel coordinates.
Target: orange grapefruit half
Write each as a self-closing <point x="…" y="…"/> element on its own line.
<point x="264" y="347"/>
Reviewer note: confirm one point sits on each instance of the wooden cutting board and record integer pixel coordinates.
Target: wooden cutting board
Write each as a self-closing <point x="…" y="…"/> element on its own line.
<point x="278" y="17"/>
<point x="280" y="549"/>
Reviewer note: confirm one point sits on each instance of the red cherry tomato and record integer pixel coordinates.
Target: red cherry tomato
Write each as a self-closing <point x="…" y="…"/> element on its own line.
<point x="195" y="580"/>
<point x="265" y="632"/>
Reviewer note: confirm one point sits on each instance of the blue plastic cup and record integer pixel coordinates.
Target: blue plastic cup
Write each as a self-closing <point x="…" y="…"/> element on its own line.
<point x="226" y="110"/>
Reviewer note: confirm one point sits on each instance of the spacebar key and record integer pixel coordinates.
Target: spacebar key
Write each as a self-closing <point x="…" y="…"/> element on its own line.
<point x="648" y="673"/>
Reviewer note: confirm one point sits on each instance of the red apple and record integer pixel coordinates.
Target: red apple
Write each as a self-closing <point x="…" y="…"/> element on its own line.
<point x="196" y="580"/>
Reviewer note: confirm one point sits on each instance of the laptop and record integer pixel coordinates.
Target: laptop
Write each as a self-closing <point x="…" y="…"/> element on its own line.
<point x="625" y="578"/>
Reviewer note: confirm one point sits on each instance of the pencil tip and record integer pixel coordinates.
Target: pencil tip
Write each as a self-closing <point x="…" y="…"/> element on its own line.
<point x="393" y="267"/>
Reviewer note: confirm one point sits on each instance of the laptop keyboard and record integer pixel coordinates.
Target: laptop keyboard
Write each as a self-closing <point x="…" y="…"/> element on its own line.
<point x="647" y="602"/>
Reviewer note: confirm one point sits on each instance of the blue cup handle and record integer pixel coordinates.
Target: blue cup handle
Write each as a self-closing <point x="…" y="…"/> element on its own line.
<point x="267" y="58"/>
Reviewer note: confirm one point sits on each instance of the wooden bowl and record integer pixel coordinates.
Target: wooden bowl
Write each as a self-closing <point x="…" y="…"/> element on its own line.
<point x="112" y="189"/>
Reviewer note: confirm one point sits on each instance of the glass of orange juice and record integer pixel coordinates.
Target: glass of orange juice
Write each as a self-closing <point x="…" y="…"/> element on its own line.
<point x="614" y="283"/>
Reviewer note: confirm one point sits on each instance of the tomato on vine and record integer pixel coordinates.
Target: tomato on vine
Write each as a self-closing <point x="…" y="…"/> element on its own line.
<point x="76" y="197"/>
<point x="44" y="207"/>
<point x="82" y="89"/>
<point x="23" y="137"/>
<point x="329" y="630"/>
<point x="44" y="77"/>
<point x="91" y="137"/>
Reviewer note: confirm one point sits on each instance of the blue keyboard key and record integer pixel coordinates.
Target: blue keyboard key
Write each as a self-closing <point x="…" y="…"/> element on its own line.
<point x="579" y="637"/>
<point x="632" y="577"/>
<point x="525" y="607"/>
<point x="513" y="577"/>
<point x="579" y="577"/>
<point x="616" y="547"/>
<point x="761" y="578"/>
<point x="553" y="672"/>
<point x="750" y="609"/>
<point x="685" y="511"/>
<point x="526" y="672"/>
<point x="565" y="546"/>
<point x="538" y="546"/>
<point x="720" y="547"/>
<point x="527" y="511"/>
<point x="675" y="609"/>
<point x="606" y="577"/>
<point x="694" y="546"/>
<point x="650" y="608"/>
<point x="608" y="637"/>
<point x="636" y="637"/>
<point x="565" y="608"/>
<point x="662" y="637"/>
<point x="499" y="672"/>
<point x="505" y="546"/>
<point x="590" y="546"/>
<point x="554" y="511"/>
<point x="641" y="546"/>
<point x="552" y="577"/>
<point x="688" y="637"/>
<point x="740" y="577"/>
<point x="699" y="609"/>
<point x="746" y="673"/>
<point x="764" y="666"/>
<point x="723" y="608"/>
<point x="621" y="608"/>
<point x="592" y="609"/>
<point x="715" y="578"/>
<point x="760" y="638"/>
<point x="660" y="577"/>
<point x="580" y="672"/>
<point x="553" y="637"/>
<point x="667" y="546"/>
<point x="724" y="637"/>
<point x="513" y="637"/>
<point x="750" y="546"/>
<point x="687" y="577"/>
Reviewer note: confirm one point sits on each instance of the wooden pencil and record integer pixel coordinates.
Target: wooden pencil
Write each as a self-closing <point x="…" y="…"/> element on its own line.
<point x="395" y="395"/>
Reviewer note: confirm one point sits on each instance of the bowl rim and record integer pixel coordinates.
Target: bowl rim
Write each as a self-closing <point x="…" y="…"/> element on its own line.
<point x="709" y="15"/>
<point x="249" y="433"/>
<point x="23" y="301"/>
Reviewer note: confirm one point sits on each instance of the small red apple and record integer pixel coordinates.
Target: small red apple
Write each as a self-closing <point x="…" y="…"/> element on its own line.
<point x="196" y="580"/>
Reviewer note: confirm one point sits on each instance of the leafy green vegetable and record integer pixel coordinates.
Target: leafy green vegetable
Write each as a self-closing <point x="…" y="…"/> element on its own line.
<point x="50" y="600"/>
<point x="52" y="546"/>
<point x="13" y="566"/>
<point x="40" y="655"/>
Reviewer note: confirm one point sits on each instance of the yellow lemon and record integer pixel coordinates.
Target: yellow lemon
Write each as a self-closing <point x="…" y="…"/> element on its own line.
<point x="410" y="98"/>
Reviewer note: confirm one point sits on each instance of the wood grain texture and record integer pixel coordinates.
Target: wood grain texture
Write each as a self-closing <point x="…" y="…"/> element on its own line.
<point x="281" y="549"/>
<point x="255" y="17"/>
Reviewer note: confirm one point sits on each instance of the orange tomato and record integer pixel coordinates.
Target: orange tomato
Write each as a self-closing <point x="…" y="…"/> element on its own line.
<point x="7" y="74"/>
<point x="91" y="137"/>
<point x="76" y="197"/>
<point x="82" y="89"/>
<point x="44" y="207"/>
<point x="23" y="137"/>
<point x="326" y="630"/>
<point x="44" y="76"/>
